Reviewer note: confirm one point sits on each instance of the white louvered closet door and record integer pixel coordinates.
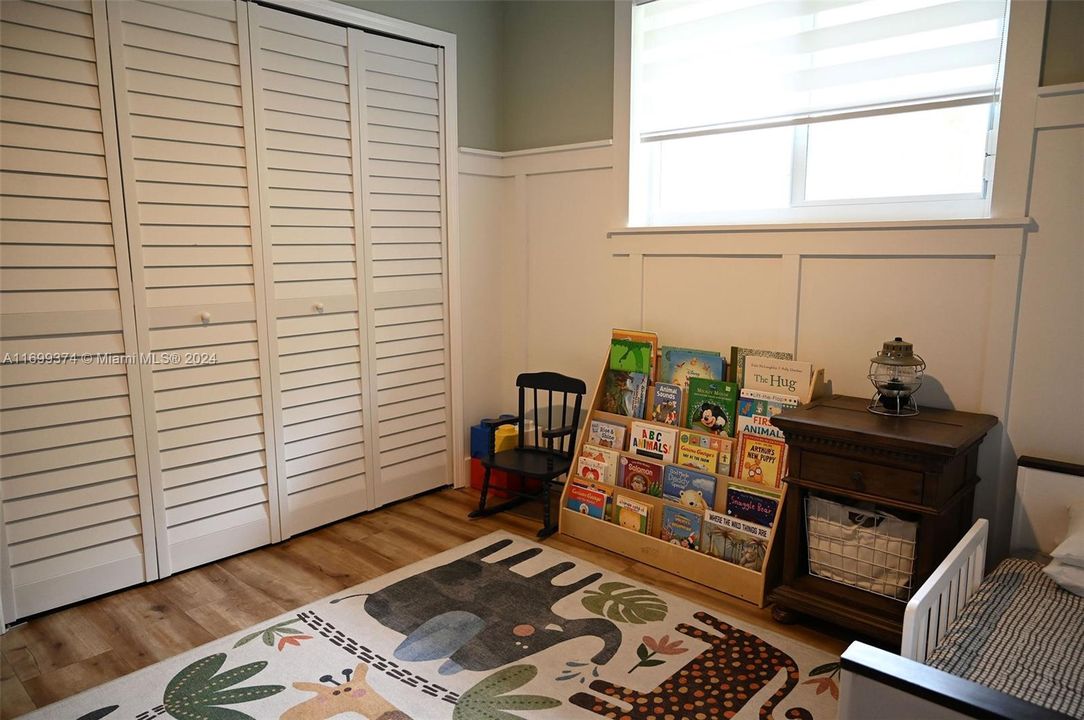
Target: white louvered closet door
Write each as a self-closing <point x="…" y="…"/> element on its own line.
<point x="406" y="276"/>
<point x="74" y="497"/>
<point x="305" y="88"/>
<point x="184" y="110"/>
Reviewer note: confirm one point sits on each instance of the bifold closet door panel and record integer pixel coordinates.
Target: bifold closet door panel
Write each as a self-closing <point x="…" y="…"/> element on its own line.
<point x="406" y="280"/>
<point x="184" y="111"/>
<point x="75" y="503"/>
<point x="305" y="89"/>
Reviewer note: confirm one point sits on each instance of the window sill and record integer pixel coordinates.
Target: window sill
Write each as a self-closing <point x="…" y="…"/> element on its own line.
<point x="961" y="224"/>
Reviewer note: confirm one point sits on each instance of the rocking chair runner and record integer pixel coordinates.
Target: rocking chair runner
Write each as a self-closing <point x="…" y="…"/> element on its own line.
<point x="550" y="456"/>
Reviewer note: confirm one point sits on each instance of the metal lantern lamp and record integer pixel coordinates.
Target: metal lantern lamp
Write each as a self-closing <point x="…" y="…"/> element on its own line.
<point x="896" y="372"/>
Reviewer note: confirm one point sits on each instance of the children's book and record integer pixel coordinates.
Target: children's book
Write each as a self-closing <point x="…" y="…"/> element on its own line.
<point x="631" y="356"/>
<point x="681" y="527"/>
<point x="592" y="469"/>
<point x="607" y="435"/>
<point x="698" y="451"/>
<point x="712" y="406"/>
<point x="788" y="377"/>
<point x="631" y="514"/>
<point x="642" y="476"/>
<point x="751" y="504"/>
<point x="586" y="500"/>
<point x="680" y="364"/>
<point x="759" y="425"/>
<point x="726" y="457"/>
<point x="605" y="455"/>
<point x="737" y="361"/>
<point x="734" y="540"/>
<point x="666" y="404"/>
<point x="689" y="488"/>
<point x="642" y="336"/>
<point x="653" y="441"/>
<point x="625" y="393"/>
<point x="761" y="402"/>
<point x="761" y="460"/>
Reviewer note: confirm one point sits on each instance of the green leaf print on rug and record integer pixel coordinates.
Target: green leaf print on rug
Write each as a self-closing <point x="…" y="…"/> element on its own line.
<point x="196" y="692"/>
<point x="624" y="603"/>
<point x="487" y="700"/>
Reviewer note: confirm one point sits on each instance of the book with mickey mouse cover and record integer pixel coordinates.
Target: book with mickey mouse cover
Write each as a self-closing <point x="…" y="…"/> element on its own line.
<point x="712" y="406"/>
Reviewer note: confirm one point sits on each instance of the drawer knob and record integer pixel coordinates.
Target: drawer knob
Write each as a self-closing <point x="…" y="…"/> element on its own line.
<point x="318" y="307"/>
<point x="857" y="477"/>
<point x="205" y="318"/>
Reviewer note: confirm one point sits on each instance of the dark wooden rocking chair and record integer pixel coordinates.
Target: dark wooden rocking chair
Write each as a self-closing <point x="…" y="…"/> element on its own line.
<point x="550" y="456"/>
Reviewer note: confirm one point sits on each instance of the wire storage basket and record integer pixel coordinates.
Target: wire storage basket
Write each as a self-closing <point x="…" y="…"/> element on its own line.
<point x="867" y="549"/>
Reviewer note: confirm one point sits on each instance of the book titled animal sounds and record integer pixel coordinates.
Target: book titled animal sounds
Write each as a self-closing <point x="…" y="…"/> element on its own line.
<point x="789" y="377"/>
<point x="752" y="505"/>
<point x="679" y="365"/>
<point x="642" y="476"/>
<point x="631" y="514"/>
<point x="607" y="435"/>
<point x="689" y="488"/>
<point x="681" y="527"/>
<point x="586" y="500"/>
<point x="761" y="460"/>
<point x="653" y="441"/>
<point x="712" y="406"/>
<point x="625" y="393"/>
<point x="666" y="404"/>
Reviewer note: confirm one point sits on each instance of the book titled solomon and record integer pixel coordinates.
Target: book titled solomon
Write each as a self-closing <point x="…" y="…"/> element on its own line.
<point x="666" y="404"/>
<point x="642" y="476"/>
<point x="586" y="501"/>
<point x="653" y="441"/>
<point x="607" y="435"/>
<point x="712" y="406"/>
<point x="761" y="460"/>
<point x="681" y="527"/>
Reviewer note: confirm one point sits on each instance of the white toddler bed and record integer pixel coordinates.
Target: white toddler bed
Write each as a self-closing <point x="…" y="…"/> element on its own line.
<point x="1010" y="645"/>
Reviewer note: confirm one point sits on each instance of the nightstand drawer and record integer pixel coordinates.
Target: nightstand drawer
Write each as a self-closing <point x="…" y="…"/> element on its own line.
<point x="881" y="480"/>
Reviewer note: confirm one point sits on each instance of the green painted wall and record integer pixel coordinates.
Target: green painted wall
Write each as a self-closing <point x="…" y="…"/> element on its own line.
<point x="478" y="25"/>
<point x="1063" y="56"/>
<point x="558" y="72"/>
<point x="534" y="73"/>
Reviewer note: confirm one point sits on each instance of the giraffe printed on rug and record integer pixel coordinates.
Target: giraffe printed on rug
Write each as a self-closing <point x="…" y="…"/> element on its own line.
<point x="353" y="695"/>
<point x="716" y="684"/>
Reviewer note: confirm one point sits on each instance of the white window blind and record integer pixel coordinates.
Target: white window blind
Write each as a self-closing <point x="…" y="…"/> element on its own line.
<point x="713" y="66"/>
<point x="761" y="110"/>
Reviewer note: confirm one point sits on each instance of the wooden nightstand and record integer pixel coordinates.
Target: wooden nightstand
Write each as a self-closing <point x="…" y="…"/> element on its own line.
<point x="920" y="468"/>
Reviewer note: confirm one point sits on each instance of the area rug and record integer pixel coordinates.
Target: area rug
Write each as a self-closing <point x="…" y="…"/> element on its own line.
<point x="501" y="628"/>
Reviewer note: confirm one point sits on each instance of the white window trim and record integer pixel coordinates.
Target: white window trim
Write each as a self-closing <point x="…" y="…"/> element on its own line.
<point x="1014" y="126"/>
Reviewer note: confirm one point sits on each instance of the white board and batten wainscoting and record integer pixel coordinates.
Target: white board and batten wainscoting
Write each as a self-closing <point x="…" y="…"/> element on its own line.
<point x="230" y="180"/>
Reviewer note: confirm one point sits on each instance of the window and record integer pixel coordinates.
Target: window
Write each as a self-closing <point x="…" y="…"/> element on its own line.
<point x="787" y="110"/>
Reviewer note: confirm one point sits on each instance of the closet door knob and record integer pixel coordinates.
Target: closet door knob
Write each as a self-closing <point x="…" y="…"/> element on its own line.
<point x="205" y="317"/>
<point x="318" y="307"/>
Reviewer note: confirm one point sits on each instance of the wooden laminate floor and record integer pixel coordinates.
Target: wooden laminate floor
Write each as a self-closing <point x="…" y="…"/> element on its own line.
<point x="62" y="653"/>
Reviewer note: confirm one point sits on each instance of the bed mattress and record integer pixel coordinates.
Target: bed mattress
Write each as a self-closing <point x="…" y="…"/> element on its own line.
<point x="1021" y="634"/>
